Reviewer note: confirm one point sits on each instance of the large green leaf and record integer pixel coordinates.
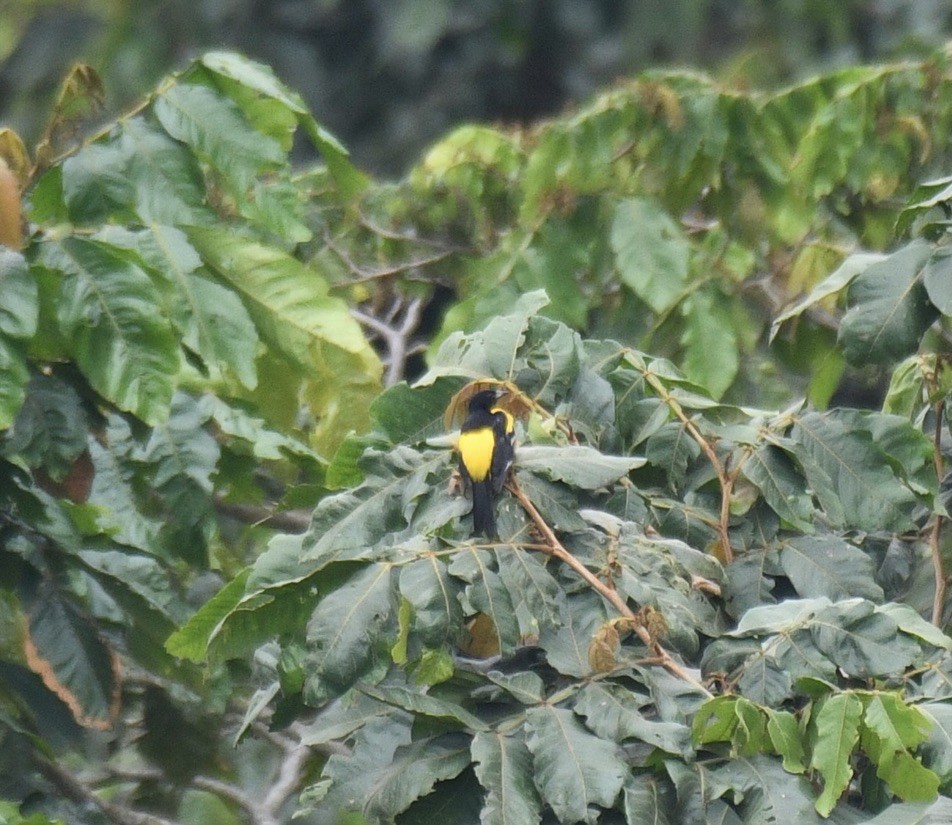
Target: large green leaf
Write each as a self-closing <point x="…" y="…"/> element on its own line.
<point x="782" y="487"/>
<point x="614" y="713"/>
<point x="487" y="593"/>
<point x="837" y="732"/>
<point x="434" y="595"/>
<point x="217" y="132"/>
<point x="413" y="772"/>
<point x="504" y="768"/>
<point x="709" y="340"/>
<point x="575" y="771"/>
<point x="110" y="315"/>
<point x="859" y="474"/>
<point x="892" y="729"/>
<point x="347" y="633"/>
<point x="651" y="252"/>
<point x="889" y="308"/>
<point x="289" y="302"/>
<point x="829" y="566"/>
<point x="261" y="79"/>
<point x="14" y="377"/>
<point x="210" y="317"/>
<point x="582" y="467"/>
<point x="19" y="309"/>
<point x="51" y="428"/>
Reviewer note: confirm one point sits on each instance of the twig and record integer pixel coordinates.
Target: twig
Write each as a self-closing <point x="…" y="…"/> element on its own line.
<point x="72" y="788"/>
<point x="938" y="601"/>
<point x="554" y="548"/>
<point x="725" y="479"/>
<point x="363" y="275"/>
<point x="289" y="521"/>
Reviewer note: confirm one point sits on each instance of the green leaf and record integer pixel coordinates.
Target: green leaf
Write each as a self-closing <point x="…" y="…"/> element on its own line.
<point x="347" y="524"/>
<point x="166" y="179"/>
<point x="936" y="751"/>
<point x="211" y="318"/>
<point x="434" y="595"/>
<point x="709" y="341"/>
<point x="651" y="252"/>
<point x="191" y="641"/>
<point x="487" y="593"/>
<point x="871" y="495"/>
<point x="938" y="279"/>
<point x="574" y="769"/>
<point x="861" y="641"/>
<point x="915" y="813"/>
<point x="614" y="713"/>
<point x="108" y="311"/>
<point x="51" y="428"/>
<point x="898" y="729"/>
<point x="837" y="733"/>
<point x="889" y="308"/>
<point x="289" y="302"/>
<point x="412" y="415"/>
<point x="347" y="633"/>
<point x="354" y="778"/>
<point x="647" y="799"/>
<point x="783" y="488"/>
<point x="785" y="737"/>
<point x="536" y="594"/>
<point x="413" y="772"/>
<point x="491" y="352"/>
<point x="732" y="719"/>
<point x="423" y="705"/>
<point x="14" y="376"/>
<point x="582" y="467"/>
<point x="504" y="768"/>
<point x="829" y="566"/>
<point x="19" y="310"/>
<point x="217" y="132"/>
<point x="841" y="277"/>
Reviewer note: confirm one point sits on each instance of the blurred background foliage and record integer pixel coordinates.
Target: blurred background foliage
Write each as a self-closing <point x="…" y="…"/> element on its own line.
<point x="390" y="76"/>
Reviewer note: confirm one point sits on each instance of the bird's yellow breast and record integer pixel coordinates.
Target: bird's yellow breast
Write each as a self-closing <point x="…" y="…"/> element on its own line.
<point x="476" y="450"/>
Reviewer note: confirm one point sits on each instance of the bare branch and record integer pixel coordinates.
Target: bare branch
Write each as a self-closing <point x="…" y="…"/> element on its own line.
<point x="395" y="336"/>
<point x="72" y="788"/>
<point x="554" y="548"/>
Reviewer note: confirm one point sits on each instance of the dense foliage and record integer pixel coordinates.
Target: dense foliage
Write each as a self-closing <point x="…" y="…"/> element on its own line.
<point x="711" y="601"/>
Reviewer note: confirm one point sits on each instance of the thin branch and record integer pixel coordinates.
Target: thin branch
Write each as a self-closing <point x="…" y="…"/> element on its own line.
<point x="554" y="548"/>
<point x="938" y="601"/>
<point x="724" y="478"/>
<point x="72" y="788"/>
<point x="362" y="275"/>
<point x="288" y="521"/>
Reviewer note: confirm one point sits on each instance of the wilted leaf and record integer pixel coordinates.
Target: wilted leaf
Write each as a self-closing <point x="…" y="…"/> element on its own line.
<point x="74" y="662"/>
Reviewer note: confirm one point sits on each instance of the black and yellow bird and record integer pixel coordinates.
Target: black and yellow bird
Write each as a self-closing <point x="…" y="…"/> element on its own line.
<point x="486" y="453"/>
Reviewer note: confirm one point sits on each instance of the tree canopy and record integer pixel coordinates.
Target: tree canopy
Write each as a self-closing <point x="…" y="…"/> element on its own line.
<point x="238" y="582"/>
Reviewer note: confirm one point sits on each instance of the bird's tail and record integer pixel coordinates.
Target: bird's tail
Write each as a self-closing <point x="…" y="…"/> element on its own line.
<point x="484" y="517"/>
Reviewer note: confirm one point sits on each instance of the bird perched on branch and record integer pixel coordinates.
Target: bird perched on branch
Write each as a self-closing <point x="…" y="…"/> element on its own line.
<point x="486" y="452"/>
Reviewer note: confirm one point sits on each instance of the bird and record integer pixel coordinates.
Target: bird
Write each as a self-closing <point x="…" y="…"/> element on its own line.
<point x="485" y="456"/>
